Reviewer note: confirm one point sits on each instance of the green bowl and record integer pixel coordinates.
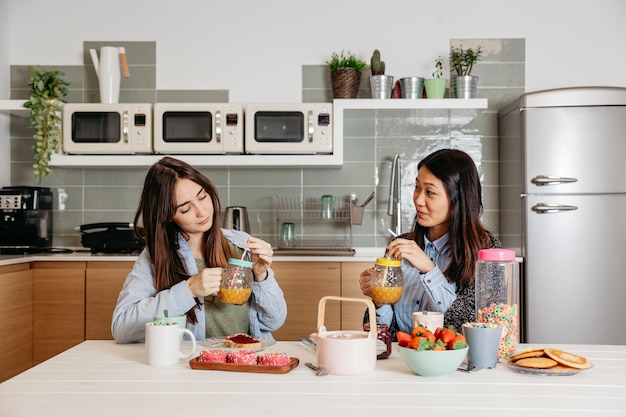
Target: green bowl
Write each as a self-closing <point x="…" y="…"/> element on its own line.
<point x="433" y="362"/>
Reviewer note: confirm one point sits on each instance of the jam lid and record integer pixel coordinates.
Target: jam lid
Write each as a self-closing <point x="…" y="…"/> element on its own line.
<point x="239" y="262"/>
<point x="496" y="254"/>
<point x="388" y="261"/>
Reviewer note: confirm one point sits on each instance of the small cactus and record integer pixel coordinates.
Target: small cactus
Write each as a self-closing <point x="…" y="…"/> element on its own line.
<point x="377" y="66"/>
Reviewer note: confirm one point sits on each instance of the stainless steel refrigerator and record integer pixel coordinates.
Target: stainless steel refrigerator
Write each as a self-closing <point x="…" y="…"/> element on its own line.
<point x="563" y="209"/>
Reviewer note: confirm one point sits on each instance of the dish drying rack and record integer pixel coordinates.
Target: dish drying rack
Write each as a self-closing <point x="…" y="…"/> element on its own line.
<point x="306" y="214"/>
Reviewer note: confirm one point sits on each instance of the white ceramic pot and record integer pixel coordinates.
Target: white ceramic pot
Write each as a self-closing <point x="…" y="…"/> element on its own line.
<point x="346" y="352"/>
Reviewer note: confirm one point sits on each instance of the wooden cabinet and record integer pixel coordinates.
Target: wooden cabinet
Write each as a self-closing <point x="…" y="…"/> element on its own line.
<point x="16" y="327"/>
<point x="352" y="313"/>
<point x="304" y="283"/>
<point x="103" y="283"/>
<point x="59" y="307"/>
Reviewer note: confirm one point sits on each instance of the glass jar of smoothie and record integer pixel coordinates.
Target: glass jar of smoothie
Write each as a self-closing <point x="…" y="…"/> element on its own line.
<point x="236" y="283"/>
<point x="387" y="281"/>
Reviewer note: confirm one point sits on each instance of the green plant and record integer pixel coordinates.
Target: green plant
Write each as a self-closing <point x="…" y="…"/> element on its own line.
<point x="438" y="68"/>
<point x="48" y="91"/>
<point x="463" y="60"/>
<point x="377" y="66"/>
<point x="346" y="60"/>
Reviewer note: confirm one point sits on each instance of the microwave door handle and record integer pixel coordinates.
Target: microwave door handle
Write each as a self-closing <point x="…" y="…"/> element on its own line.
<point x="218" y="126"/>
<point x="125" y="126"/>
<point x="310" y="121"/>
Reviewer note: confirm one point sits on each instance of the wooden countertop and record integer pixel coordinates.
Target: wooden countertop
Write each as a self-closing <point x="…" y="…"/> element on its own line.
<point x="101" y="378"/>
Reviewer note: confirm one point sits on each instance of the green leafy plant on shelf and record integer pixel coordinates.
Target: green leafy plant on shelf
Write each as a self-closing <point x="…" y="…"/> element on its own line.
<point x="48" y="91"/>
<point x="438" y="68"/>
<point x="346" y="60"/>
<point x="463" y="60"/>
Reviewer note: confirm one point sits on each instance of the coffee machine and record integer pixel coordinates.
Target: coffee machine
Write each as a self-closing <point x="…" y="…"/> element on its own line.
<point x="25" y="219"/>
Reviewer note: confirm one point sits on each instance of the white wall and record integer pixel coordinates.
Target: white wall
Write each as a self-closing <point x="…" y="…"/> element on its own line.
<point x="5" y="145"/>
<point x="256" y="48"/>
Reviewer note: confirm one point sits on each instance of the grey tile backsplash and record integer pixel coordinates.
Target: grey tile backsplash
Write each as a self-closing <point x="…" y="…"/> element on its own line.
<point x="371" y="139"/>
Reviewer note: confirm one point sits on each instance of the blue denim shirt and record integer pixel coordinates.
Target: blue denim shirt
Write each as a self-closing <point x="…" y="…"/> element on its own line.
<point x="139" y="301"/>
<point x="422" y="292"/>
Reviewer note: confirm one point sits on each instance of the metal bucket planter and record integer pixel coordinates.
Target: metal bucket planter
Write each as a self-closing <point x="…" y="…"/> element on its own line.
<point x="465" y="86"/>
<point x="381" y="86"/>
<point x="435" y="87"/>
<point x="411" y="87"/>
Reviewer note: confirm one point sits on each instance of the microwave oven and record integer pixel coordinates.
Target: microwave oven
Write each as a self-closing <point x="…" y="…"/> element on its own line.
<point x="289" y="128"/>
<point x="97" y="128"/>
<point x="198" y="128"/>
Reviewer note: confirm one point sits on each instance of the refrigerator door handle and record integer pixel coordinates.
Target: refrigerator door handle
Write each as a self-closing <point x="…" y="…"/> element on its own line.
<point x="542" y="208"/>
<point x="551" y="180"/>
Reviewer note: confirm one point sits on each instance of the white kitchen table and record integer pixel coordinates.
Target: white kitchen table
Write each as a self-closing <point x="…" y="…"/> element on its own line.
<point x="101" y="378"/>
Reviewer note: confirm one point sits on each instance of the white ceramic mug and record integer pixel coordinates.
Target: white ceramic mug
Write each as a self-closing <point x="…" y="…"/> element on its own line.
<point x="429" y="319"/>
<point x="163" y="344"/>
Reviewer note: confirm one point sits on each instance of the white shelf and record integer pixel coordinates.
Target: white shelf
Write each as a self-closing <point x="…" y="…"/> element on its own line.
<point x="254" y="161"/>
<point x="410" y="104"/>
<point x="14" y="107"/>
<point x="241" y="161"/>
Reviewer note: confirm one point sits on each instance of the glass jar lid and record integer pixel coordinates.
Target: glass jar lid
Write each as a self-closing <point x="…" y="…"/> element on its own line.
<point x="240" y="262"/>
<point x="388" y="262"/>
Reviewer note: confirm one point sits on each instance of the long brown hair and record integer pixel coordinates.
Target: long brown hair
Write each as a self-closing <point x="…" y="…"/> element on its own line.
<point x="467" y="235"/>
<point x="156" y="210"/>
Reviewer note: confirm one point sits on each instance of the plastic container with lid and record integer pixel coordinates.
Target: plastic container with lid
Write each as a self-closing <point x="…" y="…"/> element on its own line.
<point x="387" y="281"/>
<point x="236" y="284"/>
<point x="497" y="295"/>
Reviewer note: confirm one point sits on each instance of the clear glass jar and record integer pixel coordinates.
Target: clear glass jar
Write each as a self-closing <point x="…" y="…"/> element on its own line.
<point x="383" y="347"/>
<point x="387" y="281"/>
<point x="236" y="283"/>
<point x="497" y="295"/>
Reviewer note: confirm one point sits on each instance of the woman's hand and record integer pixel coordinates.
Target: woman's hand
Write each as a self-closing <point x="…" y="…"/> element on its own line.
<point x="261" y="256"/>
<point x="365" y="282"/>
<point x="205" y="282"/>
<point x="408" y="249"/>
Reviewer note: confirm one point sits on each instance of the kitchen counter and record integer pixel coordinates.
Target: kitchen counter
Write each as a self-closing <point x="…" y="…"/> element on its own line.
<point x="101" y="378"/>
<point x="361" y="255"/>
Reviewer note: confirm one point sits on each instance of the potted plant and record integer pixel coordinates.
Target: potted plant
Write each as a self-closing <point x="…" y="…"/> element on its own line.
<point x="345" y="74"/>
<point x="462" y="62"/>
<point x="48" y="91"/>
<point x="436" y="86"/>
<point x="381" y="85"/>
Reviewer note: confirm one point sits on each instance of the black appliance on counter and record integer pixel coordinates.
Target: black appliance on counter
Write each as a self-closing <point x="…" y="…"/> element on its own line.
<point x="25" y="219"/>
<point x="110" y="237"/>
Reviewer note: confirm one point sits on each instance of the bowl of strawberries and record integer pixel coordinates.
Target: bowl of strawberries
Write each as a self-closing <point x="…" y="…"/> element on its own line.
<point x="432" y="354"/>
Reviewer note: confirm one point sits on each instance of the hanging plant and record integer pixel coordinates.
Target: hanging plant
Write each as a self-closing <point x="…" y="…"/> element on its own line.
<point x="48" y="91"/>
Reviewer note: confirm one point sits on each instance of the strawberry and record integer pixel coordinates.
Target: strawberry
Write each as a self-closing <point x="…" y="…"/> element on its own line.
<point x="458" y="342"/>
<point x="403" y="338"/>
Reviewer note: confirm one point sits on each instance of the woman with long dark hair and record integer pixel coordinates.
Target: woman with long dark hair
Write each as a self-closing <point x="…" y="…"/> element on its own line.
<point x="185" y="251"/>
<point x="440" y="252"/>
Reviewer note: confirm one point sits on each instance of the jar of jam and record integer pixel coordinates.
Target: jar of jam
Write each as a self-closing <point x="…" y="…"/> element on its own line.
<point x="387" y="281"/>
<point x="236" y="283"/>
<point x="383" y="347"/>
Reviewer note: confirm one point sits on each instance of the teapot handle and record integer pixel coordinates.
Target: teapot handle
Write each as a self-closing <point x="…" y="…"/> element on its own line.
<point x="321" y="311"/>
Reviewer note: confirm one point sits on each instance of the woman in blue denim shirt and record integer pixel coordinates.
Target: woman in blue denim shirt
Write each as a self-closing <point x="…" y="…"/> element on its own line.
<point x="440" y="252"/>
<point x="180" y="268"/>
